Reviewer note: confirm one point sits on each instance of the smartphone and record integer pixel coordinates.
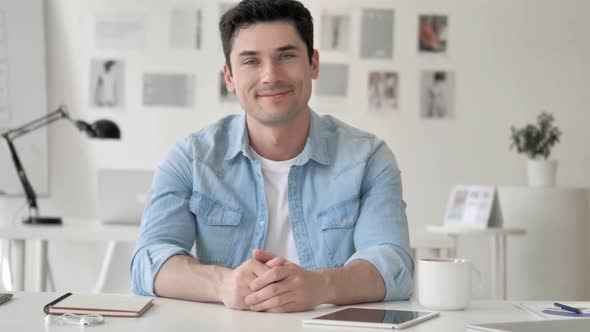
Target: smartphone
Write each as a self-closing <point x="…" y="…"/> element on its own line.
<point x="5" y="297"/>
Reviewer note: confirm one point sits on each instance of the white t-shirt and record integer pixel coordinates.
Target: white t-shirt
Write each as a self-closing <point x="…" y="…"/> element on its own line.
<point x="279" y="237"/>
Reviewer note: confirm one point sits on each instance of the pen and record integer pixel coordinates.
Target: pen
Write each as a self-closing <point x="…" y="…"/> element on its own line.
<point x="568" y="308"/>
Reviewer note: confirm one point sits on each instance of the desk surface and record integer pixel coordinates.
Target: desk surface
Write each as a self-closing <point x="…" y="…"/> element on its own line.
<point x="71" y="229"/>
<point x="24" y="313"/>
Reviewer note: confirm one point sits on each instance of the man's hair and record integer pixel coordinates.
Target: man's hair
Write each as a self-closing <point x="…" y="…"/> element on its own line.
<point x="249" y="12"/>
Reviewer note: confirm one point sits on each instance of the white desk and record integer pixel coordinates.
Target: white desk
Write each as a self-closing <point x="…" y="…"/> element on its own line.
<point x="71" y="230"/>
<point x="25" y="313"/>
<point x="91" y="230"/>
<point x="498" y="250"/>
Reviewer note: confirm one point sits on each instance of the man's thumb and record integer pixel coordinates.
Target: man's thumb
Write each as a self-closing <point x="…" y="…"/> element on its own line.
<point x="262" y="256"/>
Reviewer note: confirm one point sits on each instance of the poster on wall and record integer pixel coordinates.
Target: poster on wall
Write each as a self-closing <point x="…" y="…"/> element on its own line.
<point x="119" y="31"/>
<point x="169" y="90"/>
<point x="186" y="27"/>
<point x="333" y="81"/>
<point x="383" y="91"/>
<point x="437" y="94"/>
<point x="335" y="31"/>
<point x="432" y="34"/>
<point x="107" y="83"/>
<point x="377" y="34"/>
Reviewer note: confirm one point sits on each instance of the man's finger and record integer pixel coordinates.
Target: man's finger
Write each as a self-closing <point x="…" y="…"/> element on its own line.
<point x="277" y="261"/>
<point x="288" y="307"/>
<point x="252" y="266"/>
<point x="262" y="255"/>
<point x="282" y="303"/>
<point x="270" y="296"/>
<point x="273" y="275"/>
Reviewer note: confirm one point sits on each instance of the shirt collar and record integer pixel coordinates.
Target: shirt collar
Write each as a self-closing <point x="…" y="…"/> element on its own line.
<point x="316" y="147"/>
<point x="238" y="137"/>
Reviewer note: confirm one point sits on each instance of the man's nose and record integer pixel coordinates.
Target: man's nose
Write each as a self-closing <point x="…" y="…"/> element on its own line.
<point x="271" y="72"/>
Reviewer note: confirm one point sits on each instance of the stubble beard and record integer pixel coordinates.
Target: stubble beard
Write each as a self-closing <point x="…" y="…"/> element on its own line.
<point x="275" y="119"/>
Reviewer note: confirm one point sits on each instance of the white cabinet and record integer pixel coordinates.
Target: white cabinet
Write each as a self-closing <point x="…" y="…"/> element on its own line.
<point x="553" y="260"/>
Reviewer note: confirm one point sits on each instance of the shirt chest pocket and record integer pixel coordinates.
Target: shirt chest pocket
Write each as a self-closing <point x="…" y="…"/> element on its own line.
<point x="337" y="225"/>
<point x="217" y="228"/>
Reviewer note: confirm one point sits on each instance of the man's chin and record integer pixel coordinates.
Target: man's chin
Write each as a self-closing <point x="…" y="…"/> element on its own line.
<point x="275" y="118"/>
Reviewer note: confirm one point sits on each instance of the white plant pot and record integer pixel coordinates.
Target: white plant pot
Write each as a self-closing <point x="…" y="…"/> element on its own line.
<point x="541" y="172"/>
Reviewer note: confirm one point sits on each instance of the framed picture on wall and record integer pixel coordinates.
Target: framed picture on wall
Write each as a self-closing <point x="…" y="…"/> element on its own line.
<point x="437" y="94"/>
<point x="377" y="34"/>
<point x="473" y="206"/>
<point x="432" y="34"/>
<point x="383" y="91"/>
<point x="186" y="27"/>
<point x="335" y="30"/>
<point x="107" y="83"/>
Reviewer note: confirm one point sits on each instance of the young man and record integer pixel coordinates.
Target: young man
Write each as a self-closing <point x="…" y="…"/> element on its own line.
<point x="321" y="198"/>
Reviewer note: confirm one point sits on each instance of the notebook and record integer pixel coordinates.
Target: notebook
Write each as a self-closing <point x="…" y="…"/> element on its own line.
<point x="573" y="325"/>
<point x="122" y="195"/>
<point x="109" y="305"/>
<point x="548" y="310"/>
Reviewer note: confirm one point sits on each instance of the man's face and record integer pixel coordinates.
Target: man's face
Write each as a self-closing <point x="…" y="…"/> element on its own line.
<point x="271" y="73"/>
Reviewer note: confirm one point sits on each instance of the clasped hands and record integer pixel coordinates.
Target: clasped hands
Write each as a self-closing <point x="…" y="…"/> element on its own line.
<point x="270" y="283"/>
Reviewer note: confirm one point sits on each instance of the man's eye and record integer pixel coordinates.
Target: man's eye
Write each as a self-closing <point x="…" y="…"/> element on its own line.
<point x="250" y="62"/>
<point x="286" y="56"/>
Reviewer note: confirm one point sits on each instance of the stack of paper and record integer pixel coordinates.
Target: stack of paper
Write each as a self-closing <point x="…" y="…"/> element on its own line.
<point x="576" y="325"/>
<point x="540" y="310"/>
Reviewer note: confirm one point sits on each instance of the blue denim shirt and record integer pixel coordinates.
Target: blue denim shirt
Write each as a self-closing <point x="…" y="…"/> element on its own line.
<point x="345" y="203"/>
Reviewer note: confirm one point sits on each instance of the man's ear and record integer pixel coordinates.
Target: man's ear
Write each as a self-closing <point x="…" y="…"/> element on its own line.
<point x="315" y="64"/>
<point x="228" y="78"/>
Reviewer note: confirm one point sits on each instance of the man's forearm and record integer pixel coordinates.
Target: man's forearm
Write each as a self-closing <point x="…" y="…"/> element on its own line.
<point x="357" y="282"/>
<point x="183" y="277"/>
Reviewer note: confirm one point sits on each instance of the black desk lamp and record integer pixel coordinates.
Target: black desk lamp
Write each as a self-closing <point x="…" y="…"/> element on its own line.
<point x="104" y="129"/>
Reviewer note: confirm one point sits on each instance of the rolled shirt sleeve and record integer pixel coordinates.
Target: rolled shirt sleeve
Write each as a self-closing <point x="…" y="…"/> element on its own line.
<point x="168" y="227"/>
<point x="381" y="232"/>
<point x="395" y="267"/>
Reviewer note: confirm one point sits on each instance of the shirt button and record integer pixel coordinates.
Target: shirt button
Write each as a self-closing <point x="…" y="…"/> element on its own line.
<point x="261" y="223"/>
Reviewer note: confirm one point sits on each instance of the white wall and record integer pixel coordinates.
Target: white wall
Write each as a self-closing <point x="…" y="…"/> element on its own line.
<point x="512" y="59"/>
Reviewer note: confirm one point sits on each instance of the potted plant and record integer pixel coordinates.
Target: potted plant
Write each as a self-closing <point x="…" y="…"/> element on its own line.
<point x="536" y="141"/>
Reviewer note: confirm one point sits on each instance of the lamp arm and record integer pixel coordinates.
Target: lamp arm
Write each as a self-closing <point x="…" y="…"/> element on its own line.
<point x="24" y="180"/>
<point x="12" y="134"/>
<point x="43" y="121"/>
<point x="99" y="129"/>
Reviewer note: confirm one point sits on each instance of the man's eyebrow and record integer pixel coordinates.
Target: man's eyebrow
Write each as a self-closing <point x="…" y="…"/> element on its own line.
<point x="288" y="47"/>
<point x="248" y="53"/>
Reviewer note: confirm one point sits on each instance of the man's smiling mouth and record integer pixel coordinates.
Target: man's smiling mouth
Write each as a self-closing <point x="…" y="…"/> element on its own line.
<point x="274" y="93"/>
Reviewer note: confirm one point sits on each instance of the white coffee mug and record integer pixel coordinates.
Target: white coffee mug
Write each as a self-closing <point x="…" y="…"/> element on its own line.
<point x="444" y="283"/>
